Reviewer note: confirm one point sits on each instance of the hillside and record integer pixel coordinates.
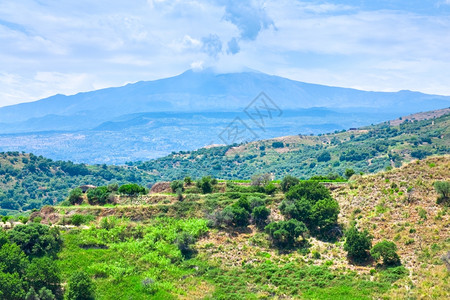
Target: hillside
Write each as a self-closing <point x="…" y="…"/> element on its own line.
<point x="138" y="239"/>
<point x="367" y="149"/>
<point x="150" y="119"/>
<point x="28" y="181"/>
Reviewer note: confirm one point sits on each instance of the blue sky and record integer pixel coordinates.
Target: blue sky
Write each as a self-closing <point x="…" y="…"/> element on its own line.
<point x="50" y="47"/>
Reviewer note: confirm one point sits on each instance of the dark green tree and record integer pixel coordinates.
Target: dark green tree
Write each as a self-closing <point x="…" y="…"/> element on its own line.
<point x="349" y="173"/>
<point x="388" y="251"/>
<point x="357" y="244"/>
<point x="36" y="239"/>
<point x="177" y="185"/>
<point x="76" y="196"/>
<point x="98" y="196"/>
<point x="260" y="215"/>
<point x="288" y="182"/>
<point x="80" y="287"/>
<point x="132" y="189"/>
<point x="286" y="233"/>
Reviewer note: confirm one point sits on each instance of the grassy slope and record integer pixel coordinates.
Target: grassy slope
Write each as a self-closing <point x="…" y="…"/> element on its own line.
<point x="242" y="263"/>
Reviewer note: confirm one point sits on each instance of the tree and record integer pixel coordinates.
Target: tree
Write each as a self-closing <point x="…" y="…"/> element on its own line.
<point x="260" y="215"/>
<point x="205" y="184"/>
<point x="36" y="240"/>
<point x="99" y="195"/>
<point x="387" y="251"/>
<point x="311" y="190"/>
<point x="270" y="188"/>
<point x="324" y="156"/>
<point x="80" y="287"/>
<point x="184" y="241"/>
<point x="324" y="214"/>
<point x="297" y="209"/>
<point x="357" y="244"/>
<point x="177" y="185"/>
<point x="187" y="180"/>
<point x="44" y="273"/>
<point x="12" y="287"/>
<point x="286" y="233"/>
<point x="288" y="182"/>
<point x="260" y="179"/>
<point x="349" y="173"/>
<point x="443" y="189"/>
<point x="132" y="189"/>
<point x="12" y="259"/>
<point x="76" y="196"/>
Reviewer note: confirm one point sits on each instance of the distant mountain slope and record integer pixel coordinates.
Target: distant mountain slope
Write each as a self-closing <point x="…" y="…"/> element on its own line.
<point x="368" y="149"/>
<point x="28" y="181"/>
<point x="208" y="91"/>
<point x="150" y="119"/>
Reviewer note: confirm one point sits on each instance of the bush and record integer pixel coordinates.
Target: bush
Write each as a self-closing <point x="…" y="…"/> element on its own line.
<point x="277" y="144"/>
<point x="205" y="184"/>
<point x="324" y="214"/>
<point x="187" y="180"/>
<point x="349" y="173"/>
<point x="36" y="239"/>
<point x="288" y="182"/>
<point x="99" y="195"/>
<point x="184" y="241"/>
<point x="324" y="157"/>
<point x="286" y="233"/>
<point x="75" y="196"/>
<point x="357" y="244"/>
<point x="177" y="185"/>
<point x="80" y="287"/>
<point x="260" y="215"/>
<point x="260" y="179"/>
<point x="132" y="189"/>
<point x="443" y="189"/>
<point x="387" y="251"/>
<point x="270" y="188"/>
<point x="77" y="219"/>
<point x="311" y="190"/>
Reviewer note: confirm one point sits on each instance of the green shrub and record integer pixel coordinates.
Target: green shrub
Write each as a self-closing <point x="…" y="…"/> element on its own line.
<point x="132" y="189"/>
<point x="260" y="215"/>
<point x="358" y="244"/>
<point x="75" y="196"/>
<point x="286" y="233"/>
<point x="443" y="189"/>
<point x="205" y="184"/>
<point x="77" y="219"/>
<point x="349" y="173"/>
<point x="387" y="251"/>
<point x="80" y="287"/>
<point x="177" y="185"/>
<point x="288" y="182"/>
<point x="98" y="196"/>
<point x="270" y="188"/>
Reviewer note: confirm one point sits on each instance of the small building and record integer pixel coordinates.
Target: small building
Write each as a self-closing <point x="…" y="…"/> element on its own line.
<point x="87" y="187"/>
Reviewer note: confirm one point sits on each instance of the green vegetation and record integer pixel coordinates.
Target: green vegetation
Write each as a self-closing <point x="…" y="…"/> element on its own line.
<point x="358" y="244"/>
<point x="387" y="251"/>
<point x="29" y="182"/>
<point x="443" y="189"/>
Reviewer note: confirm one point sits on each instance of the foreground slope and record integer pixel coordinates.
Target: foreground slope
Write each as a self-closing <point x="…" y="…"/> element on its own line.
<point x="236" y="263"/>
